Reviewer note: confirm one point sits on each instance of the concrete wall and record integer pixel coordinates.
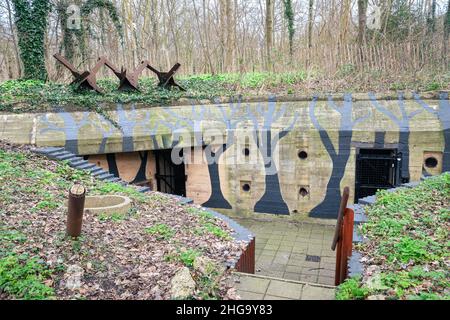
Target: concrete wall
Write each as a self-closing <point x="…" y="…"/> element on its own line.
<point x="329" y="132"/>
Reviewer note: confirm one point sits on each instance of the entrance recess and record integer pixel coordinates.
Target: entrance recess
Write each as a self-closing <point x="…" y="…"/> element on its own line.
<point x="376" y="169"/>
<point x="170" y="177"/>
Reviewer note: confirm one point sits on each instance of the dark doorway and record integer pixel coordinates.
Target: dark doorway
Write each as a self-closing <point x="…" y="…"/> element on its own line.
<point x="376" y="169"/>
<point x="170" y="177"/>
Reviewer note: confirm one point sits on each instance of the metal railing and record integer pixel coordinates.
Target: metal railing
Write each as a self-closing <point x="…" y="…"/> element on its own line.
<point x="246" y="263"/>
<point x="343" y="238"/>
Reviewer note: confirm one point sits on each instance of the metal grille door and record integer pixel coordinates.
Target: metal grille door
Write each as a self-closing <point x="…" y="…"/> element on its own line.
<point x="376" y="169"/>
<point x="170" y="177"/>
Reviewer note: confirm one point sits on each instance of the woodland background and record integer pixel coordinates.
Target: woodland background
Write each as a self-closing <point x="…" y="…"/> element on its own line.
<point x="325" y="37"/>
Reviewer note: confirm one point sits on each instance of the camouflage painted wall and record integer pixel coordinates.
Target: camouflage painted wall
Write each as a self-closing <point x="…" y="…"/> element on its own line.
<point x="303" y="152"/>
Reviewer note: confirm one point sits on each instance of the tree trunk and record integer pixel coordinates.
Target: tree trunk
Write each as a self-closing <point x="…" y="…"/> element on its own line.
<point x="310" y="30"/>
<point x="13" y="33"/>
<point x="269" y="32"/>
<point x="362" y="19"/>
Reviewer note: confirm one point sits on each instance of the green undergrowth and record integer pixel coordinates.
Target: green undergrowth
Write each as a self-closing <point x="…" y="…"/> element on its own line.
<point x="32" y="95"/>
<point x="34" y="189"/>
<point x="408" y="244"/>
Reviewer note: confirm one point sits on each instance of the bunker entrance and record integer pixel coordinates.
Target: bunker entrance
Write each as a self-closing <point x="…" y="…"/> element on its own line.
<point x="170" y="177"/>
<point x="376" y="169"/>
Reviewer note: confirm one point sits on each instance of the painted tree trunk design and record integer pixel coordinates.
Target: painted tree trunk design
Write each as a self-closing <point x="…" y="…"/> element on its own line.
<point x="272" y="201"/>
<point x="141" y="174"/>
<point x="328" y="208"/>
<point x="112" y="164"/>
<point x="216" y="200"/>
<point x="403" y="124"/>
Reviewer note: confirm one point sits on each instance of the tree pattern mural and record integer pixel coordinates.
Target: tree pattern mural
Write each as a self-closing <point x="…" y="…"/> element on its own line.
<point x="403" y="123"/>
<point x="328" y="208"/>
<point x="266" y="142"/>
<point x="263" y="118"/>
<point x="71" y="128"/>
<point x="231" y="121"/>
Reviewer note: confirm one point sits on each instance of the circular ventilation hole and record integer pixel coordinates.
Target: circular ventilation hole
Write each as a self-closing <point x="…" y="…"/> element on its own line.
<point x="246" y="187"/>
<point x="303" y="192"/>
<point x="246" y="152"/>
<point x="295" y="211"/>
<point x="303" y="155"/>
<point x="431" y="162"/>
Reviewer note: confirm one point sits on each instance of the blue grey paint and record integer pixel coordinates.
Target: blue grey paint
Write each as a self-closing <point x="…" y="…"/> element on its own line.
<point x="127" y="124"/>
<point x="141" y="174"/>
<point x="379" y="139"/>
<point x="112" y="164"/>
<point x="70" y="129"/>
<point x="330" y="205"/>
<point x="106" y="134"/>
<point x="272" y="200"/>
<point x="403" y="124"/>
<point x="217" y="200"/>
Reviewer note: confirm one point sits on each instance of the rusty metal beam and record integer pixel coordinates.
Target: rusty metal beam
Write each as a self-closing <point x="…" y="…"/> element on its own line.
<point x="77" y="195"/>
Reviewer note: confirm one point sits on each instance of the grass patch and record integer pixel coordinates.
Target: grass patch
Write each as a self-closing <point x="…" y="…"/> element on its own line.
<point x="24" y="277"/>
<point x="186" y="257"/>
<point x="408" y="239"/>
<point x="161" y="231"/>
<point x="351" y="289"/>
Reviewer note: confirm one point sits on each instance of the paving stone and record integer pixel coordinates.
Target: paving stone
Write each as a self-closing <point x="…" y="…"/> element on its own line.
<point x="326" y="280"/>
<point x="267" y="252"/>
<point x="274" y="274"/>
<point x="270" y="246"/>
<point x="308" y="278"/>
<point x="253" y="284"/>
<point x="296" y="262"/>
<point x="310" y="271"/>
<point x="299" y="250"/>
<point x="278" y="266"/>
<point x="277" y="234"/>
<point x="267" y="297"/>
<point x="317" y="293"/>
<point x="326" y="273"/>
<point x="251" y="295"/>
<point x="328" y="260"/>
<point x="265" y="259"/>
<point x="291" y="276"/>
<point x="294" y="269"/>
<point x="284" y="243"/>
<point x="283" y="252"/>
<point x="285" y="289"/>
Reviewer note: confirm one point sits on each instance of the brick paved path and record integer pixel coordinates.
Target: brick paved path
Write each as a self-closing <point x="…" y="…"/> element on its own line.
<point x="251" y="287"/>
<point x="293" y="250"/>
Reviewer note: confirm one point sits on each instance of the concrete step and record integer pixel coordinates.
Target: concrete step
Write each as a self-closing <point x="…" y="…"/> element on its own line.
<point x="144" y="189"/>
<point x="98" y="172"/>
<point x="54" y="155"/>
<point x="49" y="150"/>
<point x="85" y="166"/>
<point x="95" y="171"/>
<point x="78" y="162"/>
<point x="113" y="179"/>
<point x="69" y="156"/>
<point x="105" y="176"/>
